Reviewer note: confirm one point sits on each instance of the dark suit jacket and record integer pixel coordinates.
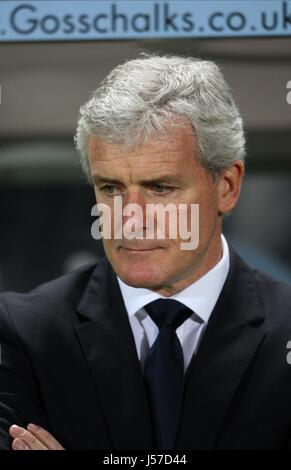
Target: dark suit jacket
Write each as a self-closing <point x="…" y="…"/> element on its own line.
<point x="69" y="364"/>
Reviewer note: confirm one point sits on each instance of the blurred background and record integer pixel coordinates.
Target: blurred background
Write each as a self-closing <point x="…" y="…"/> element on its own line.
<point x="45" y="202"/>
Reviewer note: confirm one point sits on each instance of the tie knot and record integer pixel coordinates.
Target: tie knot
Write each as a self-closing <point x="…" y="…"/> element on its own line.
<point x="168" y="312"/>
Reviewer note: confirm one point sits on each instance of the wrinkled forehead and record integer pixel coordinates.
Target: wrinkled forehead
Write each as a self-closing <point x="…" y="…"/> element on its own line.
<point x="169" y="158"/>
<point x="173" y="138"/>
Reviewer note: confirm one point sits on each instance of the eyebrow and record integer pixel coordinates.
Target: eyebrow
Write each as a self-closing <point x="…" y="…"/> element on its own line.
<point x="104" y="179"/>
<point x="170" y="179"/>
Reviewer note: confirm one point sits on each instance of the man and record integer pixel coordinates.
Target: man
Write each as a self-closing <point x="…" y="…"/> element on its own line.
<point x="155" y="346"/>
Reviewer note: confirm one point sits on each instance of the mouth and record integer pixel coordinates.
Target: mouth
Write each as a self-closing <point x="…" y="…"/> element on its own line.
<point x="139" y="250"/>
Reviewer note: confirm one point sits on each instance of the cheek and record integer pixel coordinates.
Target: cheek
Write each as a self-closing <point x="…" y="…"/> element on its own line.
<point x="109" y="247"/>
<point x="200" y="206"/>
<point x="207" y="214"/>
<point x="209" y="203"/>
<point x="202" y="220"/>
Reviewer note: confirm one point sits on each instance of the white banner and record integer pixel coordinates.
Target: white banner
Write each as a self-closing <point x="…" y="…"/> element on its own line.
<point x="66" y="20"/>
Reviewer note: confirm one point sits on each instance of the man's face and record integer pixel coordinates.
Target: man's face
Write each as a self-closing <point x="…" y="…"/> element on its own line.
<point x="164" y="170"/>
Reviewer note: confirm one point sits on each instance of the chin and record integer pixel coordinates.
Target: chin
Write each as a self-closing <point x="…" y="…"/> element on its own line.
<point x="142" y="281"/>
<point x="140" y="274"/>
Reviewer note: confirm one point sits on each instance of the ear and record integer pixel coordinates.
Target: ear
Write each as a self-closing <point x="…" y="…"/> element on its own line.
<point x="229" y="187"/>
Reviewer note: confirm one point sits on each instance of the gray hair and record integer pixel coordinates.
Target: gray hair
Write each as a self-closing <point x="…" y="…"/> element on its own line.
<point x="138" y="97"/>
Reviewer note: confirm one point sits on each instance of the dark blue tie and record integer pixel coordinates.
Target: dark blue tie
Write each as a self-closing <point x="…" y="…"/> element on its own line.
<point x="164" y="370"/>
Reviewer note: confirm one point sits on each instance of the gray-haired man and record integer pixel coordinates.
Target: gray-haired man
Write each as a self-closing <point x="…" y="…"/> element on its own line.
<point x="155" y="346"/>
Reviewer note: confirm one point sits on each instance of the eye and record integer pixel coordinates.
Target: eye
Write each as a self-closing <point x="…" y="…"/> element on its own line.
<point x="160" y="189"/>
<point x="108" y="188"/>
<point x="112" y="189"/>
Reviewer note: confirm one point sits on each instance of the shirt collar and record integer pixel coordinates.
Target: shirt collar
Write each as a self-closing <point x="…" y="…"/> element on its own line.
<point x="200" y="297"/>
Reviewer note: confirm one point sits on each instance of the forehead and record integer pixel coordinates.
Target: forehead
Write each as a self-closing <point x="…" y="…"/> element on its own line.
<point x="174" y="145"/>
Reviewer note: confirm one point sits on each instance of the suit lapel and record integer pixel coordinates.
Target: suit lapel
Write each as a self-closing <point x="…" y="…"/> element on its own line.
<point x="108" y="345"/>
<point x="232" y="338"/>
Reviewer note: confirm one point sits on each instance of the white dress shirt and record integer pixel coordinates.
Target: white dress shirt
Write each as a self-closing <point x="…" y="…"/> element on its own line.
<point x="200" y="297"/>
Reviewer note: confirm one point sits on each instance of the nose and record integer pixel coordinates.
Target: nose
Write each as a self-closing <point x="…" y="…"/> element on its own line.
<point x="134" y="205"/>
<point x="134" y="196"/>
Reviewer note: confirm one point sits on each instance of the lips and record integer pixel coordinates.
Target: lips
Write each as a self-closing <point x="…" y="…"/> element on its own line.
<point x="143" y="251"/>
<point x="140" y="248"/>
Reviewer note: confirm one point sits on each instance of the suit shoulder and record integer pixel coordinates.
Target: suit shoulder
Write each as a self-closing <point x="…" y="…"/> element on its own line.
<point x="59" y="294"/>
<point x="275" y="297"/>
<point x="272" y="288"/>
